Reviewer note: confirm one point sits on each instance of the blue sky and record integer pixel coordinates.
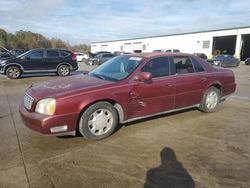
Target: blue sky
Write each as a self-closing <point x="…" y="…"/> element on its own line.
<point x="89" y="21"/>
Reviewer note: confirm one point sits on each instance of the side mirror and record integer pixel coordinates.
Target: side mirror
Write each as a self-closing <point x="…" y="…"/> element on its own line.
<point x="143" y="76"/>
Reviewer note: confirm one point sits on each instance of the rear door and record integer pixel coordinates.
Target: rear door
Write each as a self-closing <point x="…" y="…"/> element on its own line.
<point x="52" y="60"/>
<point x="191" y="81"/>
<point x="155" y="96"/>
<point x="33" y="61"/>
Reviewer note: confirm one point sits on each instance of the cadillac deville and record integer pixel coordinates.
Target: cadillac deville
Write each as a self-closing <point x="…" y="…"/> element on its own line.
<point x="123" y="89"/>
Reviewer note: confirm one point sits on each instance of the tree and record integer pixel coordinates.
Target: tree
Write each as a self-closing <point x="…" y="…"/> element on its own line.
<point x="29" y="40"/>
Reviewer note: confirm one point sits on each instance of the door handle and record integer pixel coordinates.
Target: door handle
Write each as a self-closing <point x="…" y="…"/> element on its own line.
<point x="168" y="85"/>
<point x="203" y="79"/>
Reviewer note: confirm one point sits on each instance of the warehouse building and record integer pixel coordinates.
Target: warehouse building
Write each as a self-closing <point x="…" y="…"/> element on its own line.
<point x="233" y="41"/>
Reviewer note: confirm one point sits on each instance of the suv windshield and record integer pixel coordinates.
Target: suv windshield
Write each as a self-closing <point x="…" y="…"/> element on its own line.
<point x="117" y="68"/>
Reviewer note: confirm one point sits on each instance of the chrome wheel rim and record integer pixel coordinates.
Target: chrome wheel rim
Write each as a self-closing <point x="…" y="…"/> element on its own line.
<point x="100" y="122"/>
<point x="64" y="71"/>
<point x="14" y="73"/>
<point x="211" y="100"/>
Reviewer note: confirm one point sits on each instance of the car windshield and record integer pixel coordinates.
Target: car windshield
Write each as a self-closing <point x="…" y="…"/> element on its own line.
<point x="23" y="54"/>
<point x="117" y="68"/>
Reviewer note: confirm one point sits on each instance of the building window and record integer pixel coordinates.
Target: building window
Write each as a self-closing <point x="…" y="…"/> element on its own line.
<point x="206" y="44"/>
<point x="121" y="48"/>
<point x="144" y="47"/>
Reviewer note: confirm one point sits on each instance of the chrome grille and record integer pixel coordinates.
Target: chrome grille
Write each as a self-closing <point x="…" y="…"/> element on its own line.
<point x="28" y="101"/>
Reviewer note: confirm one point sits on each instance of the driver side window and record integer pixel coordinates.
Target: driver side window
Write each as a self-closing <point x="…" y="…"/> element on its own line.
<point x="159" y="67"/>
<point x="35" y="55"/>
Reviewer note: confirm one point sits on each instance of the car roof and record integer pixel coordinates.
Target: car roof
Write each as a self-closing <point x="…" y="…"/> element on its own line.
<point x="161" y="54"/>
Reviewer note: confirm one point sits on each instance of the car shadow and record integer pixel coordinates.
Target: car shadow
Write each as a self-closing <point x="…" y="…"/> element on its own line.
<point x="170" y="173"/>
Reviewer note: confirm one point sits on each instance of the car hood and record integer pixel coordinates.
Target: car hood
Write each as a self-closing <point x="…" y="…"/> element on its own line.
<point x="65" y="86"/>
<point x="9" y="59"/>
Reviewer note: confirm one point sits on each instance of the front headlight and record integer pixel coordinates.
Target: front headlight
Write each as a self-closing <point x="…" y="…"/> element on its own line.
<point x="3" y="62"/>
<point x="46" y="106"/>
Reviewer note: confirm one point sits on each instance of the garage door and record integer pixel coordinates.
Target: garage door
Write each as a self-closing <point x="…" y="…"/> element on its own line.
<point x="128" y="47"/>
<point x="104" y="47"/>
<point x="137" y="46"/>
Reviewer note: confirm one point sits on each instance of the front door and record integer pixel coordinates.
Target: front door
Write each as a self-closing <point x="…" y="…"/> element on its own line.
<point x="156" y="95"/>
<point x="33" y="61"/>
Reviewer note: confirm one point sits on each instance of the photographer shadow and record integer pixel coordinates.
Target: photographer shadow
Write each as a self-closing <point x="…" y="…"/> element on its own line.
<point x="170" y="173"/>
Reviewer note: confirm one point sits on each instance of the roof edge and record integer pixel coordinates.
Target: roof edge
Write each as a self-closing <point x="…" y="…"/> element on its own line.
<point x="185" y="33"/>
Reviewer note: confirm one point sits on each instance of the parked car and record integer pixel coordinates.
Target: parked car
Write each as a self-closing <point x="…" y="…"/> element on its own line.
<point x="100" y="52"/>
<point x="167" y="50"/>
<point x="247" y="61"/>
<point x="100" y="58"/>
<point x="224" y="61"/>
<point x="59" y="61"/>
<point x="81" y="57"/>
<point x="124" y="89"/>
<point x="201" y="55"/>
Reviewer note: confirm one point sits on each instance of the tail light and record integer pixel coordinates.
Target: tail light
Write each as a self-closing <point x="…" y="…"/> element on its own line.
<point x="73" y="56"/>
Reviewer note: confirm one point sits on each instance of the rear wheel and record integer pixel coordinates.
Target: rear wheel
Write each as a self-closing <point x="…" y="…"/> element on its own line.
<point x="98" y="121"/>
<point x="63" y="70"/>
<point x="13" y="72"/>
<point x="210" y="100"/>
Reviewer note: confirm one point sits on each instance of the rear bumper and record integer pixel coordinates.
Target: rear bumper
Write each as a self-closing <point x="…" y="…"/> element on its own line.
<point x="43" y="124"/>
<point x="74" y="68"/>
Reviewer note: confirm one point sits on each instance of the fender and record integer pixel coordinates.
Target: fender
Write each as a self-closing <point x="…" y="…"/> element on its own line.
<point x="105" y="97"/>
<point x="64" y="64"/>
<point x="13" y="64"/>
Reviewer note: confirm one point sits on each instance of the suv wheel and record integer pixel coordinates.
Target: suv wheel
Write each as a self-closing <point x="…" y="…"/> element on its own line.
<point x="210" y="100"/>
<point x="63" y="70"/>
<point x="13" y="72"/>
<point x="98" y="121"/>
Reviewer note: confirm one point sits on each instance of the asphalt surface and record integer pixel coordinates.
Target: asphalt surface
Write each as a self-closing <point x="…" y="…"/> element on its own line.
<point x="184" y="149"/>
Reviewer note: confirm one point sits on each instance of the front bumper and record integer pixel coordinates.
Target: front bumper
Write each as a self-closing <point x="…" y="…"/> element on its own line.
<point x="43" y="123"/>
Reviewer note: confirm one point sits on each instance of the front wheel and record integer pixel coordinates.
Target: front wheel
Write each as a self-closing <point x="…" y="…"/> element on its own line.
<point x="63" y="70"/>
<point x="210" y="100"/>
<point x="84" y="60"/>
<point x="13" y="72"/>
<point x="98" y="121"/>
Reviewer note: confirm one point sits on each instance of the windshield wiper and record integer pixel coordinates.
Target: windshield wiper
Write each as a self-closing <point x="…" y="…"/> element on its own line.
<point x="99" y="76"/>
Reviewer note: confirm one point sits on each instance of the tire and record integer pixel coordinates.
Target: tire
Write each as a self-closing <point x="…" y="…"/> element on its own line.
<point x="13" y="72"/>
<point x="98" y="121"/>
<point x="63" y="70"/>
<point x="210" y="100"/>
<point x="84" y="60"/>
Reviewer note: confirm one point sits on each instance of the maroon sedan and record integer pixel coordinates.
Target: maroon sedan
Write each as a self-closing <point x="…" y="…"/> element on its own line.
<point x="125" y="88"/>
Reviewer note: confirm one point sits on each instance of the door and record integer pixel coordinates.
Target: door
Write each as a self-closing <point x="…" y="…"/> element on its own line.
<point x="52" y="60"/>
<point x="155" y="96"/>
<point x="33" y="61"/>
<point x="191" y="81"/>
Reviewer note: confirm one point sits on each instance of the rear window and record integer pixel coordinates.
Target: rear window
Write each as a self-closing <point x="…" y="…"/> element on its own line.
<point x="52" y="54"/>
<point x="65" y="53"/>
<point x="183" y="65"/>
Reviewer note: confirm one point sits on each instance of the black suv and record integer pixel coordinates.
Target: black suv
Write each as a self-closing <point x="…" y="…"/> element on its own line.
<point x="60" y="61"/>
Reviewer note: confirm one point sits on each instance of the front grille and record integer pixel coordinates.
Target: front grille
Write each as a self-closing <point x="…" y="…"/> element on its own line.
<point x="28" y="101"/>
